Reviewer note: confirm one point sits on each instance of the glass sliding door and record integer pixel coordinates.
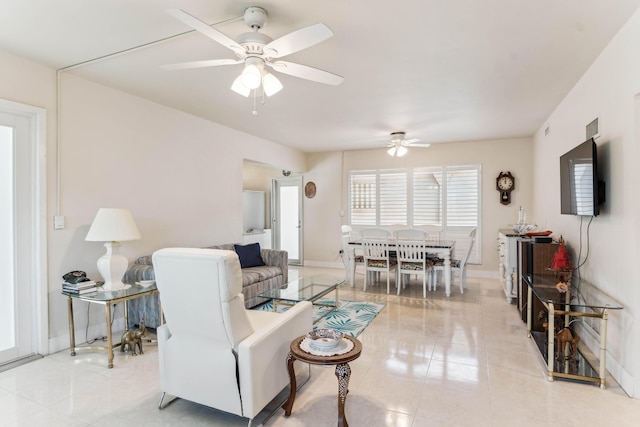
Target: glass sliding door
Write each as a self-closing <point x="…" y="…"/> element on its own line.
<point x="8" y="347"/>
<point x="23" y="311"/>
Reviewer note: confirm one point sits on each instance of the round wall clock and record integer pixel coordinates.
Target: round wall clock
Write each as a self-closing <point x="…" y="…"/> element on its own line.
<point x="310" y="189"/>
<point x="505" y="183"/>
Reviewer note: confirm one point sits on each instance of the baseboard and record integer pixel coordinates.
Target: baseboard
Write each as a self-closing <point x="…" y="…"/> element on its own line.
<point x="323" y="264"/>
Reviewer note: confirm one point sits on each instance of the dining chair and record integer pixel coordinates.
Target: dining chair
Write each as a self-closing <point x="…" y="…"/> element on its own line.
<point x="412" y="259"/>
<point x="377" y="259"/>
<point x="348" y="251"/>
<point x="458" y="266"/>
<point x="375" y="233"/>
<point x="410" y="234"/>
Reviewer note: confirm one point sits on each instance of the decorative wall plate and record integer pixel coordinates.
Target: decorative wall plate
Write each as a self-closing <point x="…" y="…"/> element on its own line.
<point x="310" y="189"/>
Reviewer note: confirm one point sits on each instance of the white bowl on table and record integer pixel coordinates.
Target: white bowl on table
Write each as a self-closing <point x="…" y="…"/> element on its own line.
<point x="324" y="339"/>
<point x="145" y="283"/>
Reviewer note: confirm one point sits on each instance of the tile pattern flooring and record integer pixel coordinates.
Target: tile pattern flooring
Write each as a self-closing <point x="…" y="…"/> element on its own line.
<point x="458" y="361"/>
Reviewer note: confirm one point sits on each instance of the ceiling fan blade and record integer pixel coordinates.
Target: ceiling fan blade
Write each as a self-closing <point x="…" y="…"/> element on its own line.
<point x="306" y="72"/>
<point x="297" y="40"/>
<point x="207" y="30"/>
<point x="411" y="141"/>
<point x="420" y="145"/>
<point x="201" y="64"/>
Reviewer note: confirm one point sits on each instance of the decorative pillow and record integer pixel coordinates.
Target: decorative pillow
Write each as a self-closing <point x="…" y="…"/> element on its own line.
<point x="249" y="255"/>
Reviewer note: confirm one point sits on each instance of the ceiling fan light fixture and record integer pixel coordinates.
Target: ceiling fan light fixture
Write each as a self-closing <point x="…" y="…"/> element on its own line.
<point x="271" y="84"/>
<point x="397" y="150"/>
<point x="251" y="76"/>
<point x="240" y="88"/>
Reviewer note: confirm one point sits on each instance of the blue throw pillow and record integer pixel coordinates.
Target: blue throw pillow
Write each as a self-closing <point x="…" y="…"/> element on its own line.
<point x="249" y="255"/>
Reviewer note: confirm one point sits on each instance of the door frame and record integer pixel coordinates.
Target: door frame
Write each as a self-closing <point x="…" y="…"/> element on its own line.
<point x="37" y="257"/>
<point x="275" y="215"/>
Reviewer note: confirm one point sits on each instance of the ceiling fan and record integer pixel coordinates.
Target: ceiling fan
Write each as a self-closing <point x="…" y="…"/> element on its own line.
<point x="398" y="144"/>
<point x="257" y="50"/>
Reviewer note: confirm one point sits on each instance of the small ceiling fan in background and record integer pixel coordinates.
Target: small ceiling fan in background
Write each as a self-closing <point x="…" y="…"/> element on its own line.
<point x="257" y="51"/>
<point x="398" y="144"/>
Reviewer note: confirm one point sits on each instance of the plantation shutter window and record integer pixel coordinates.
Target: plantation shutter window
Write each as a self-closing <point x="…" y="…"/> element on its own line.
<point x="393" y="198"/>
<point x="362" y="196"/>
<point x="447" y="197"/>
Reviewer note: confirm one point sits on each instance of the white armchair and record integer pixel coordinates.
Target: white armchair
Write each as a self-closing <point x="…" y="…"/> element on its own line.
<point x="212" y="350"/>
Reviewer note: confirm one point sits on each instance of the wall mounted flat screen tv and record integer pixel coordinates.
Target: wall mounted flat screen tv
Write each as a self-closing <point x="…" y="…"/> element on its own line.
<point x="581" y="192"/>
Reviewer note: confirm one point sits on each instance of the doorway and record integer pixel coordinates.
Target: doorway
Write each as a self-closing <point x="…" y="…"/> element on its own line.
<point x="23" y="289"/>
<point x="287" y="217"/>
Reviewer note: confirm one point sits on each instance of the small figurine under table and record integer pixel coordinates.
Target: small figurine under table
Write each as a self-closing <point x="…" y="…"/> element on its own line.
<point x="133" y="339"/>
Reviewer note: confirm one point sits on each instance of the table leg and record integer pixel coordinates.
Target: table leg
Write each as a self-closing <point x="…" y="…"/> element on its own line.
<point x="603" y="347"/>
<point x="343" y="372"/>
<point x="109" y="340"/>
<point x="550" y="341"/>
<point x="126" y="316"/>
<point x="72" y="331"/>
<point x="288" y="405"/>
<point x="447" y="272"/>
<point x="352" y="266"/>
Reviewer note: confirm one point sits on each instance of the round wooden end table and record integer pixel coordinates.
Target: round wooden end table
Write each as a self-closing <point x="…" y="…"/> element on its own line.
<point x="343" y="372"/>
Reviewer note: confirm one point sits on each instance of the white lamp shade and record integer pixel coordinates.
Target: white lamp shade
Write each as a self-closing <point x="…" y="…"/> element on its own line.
<point x="113" y="225"/>
<point x="401" y="151"/>
<point x="251" y="76"/>
<point x="271" y="84"/>
<point x="239" y="88"/>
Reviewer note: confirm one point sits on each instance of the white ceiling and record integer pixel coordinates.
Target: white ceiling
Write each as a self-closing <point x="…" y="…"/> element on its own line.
<point x="441" y="70"/>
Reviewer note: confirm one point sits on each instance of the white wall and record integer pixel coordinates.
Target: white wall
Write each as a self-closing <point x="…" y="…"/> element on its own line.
<point x="609" y="90"/>
<point x="180" y="175"/>
<point x="322" y="213"/>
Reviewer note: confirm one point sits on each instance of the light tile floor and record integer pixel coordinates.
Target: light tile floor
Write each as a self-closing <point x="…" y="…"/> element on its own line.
<point x="458" y="361"/>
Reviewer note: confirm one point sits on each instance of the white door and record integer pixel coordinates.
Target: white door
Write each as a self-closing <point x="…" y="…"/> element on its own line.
<point x="18" y="242"/>
<point x="287" y="217"/>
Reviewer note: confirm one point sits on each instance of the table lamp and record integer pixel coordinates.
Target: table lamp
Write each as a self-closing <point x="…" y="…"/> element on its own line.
<point x="112" y="226"/>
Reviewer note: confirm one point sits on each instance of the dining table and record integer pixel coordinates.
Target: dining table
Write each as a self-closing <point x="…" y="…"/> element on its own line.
<point x="441" y="248"/>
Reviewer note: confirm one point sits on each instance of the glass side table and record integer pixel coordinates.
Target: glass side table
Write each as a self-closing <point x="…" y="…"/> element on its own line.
<point x="107" y="299"/>
<point x="583" y="302"/>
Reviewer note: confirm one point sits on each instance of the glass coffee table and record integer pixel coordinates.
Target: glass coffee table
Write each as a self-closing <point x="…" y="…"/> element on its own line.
<point x="310" y="288"/>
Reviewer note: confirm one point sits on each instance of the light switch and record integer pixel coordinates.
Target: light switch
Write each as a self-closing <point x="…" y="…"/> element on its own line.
<point x="58" y="222"/>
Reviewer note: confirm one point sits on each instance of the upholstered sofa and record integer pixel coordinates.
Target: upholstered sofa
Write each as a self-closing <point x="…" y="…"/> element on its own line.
<point x="257" y="279"/>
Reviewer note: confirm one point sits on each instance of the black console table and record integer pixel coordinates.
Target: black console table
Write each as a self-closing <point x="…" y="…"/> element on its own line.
<point x="562" y="309"/>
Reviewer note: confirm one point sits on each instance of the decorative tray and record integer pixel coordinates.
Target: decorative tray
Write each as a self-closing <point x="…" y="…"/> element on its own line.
<point x="538" y="233"/>
<point x="343" y="346"/>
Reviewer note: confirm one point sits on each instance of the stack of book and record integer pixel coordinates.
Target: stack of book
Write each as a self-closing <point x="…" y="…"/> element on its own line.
<point x="80" y="288"/>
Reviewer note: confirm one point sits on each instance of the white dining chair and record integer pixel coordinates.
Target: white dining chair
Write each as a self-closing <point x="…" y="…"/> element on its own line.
<point x="377" y="259"/>
<point x="351" y="251"/>
<point x="458" y="266"/>
<point x="375" y="233"/>
<point x="412" y="260"/>
<point x="410" y="234"/>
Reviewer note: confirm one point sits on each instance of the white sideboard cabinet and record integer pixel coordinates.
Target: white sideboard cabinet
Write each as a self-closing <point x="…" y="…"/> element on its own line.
<point x="508" y="258"/>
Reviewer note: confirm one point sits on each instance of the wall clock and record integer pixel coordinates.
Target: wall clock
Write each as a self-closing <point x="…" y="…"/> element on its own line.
<point x="505" y="183"/>
<point x="310" y="190"/>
